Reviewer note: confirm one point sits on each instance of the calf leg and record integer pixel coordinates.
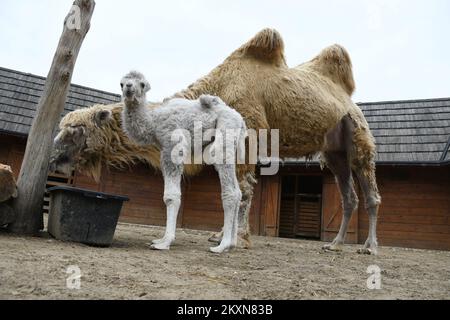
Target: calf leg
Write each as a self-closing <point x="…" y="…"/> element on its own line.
<point x="247" y="186"/>
<point x="231" y="197"/>
<point x="339" y="165"/>
<point x="172" y="198"/>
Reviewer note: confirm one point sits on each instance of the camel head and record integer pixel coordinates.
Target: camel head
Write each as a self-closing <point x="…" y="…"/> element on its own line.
<point x="75" y="137"/>
<point x="134" y="88"/>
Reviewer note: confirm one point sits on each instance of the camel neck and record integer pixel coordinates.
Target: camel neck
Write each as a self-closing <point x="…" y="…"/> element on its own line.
<point x="139" y="122"/>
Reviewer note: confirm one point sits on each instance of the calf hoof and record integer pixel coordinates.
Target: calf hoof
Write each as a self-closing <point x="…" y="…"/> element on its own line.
<point x="219" y="249"/>
<point x="160" y="246"/>
<point x="158" y="241"/>
<point x="243" y="240"/>
<point x="368" y="251"/>
<point x="334" y="247"/>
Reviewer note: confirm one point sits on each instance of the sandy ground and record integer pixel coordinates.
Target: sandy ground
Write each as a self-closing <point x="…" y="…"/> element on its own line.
<point x="35" y="268"/>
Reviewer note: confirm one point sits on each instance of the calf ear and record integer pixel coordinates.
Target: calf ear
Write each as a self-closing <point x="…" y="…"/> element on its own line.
<point x="146" y="86"/>
<point x="102" y="117"/>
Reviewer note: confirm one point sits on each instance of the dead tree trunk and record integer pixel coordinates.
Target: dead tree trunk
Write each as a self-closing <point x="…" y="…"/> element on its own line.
<point x="34" y="171"/>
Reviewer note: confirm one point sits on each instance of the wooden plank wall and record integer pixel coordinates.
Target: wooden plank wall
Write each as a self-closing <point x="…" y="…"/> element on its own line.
<point x="415" y="209"/>
<point x="201" y="206"/>
<point x="12" y="150"/>
<point x="141" y="184"/>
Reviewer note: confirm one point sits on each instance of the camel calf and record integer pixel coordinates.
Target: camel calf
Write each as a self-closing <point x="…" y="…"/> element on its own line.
<point x="171" y="127"/>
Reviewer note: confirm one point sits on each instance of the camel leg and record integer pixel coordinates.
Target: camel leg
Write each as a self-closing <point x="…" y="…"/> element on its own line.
<point x="339" y="165"/>
<point x="172" y="198"/>
<point x="216" y="237"/>
<point x="247" y="187"/>
<point x="372" y="198"/>
<point x="231" y="197"/>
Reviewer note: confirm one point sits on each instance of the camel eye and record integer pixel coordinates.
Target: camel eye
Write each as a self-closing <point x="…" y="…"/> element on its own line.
<point x="142" y="85"/>
<point x="121" y="85"/>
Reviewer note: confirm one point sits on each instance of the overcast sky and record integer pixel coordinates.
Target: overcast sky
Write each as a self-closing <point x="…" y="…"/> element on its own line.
<point x="400" y="48"/>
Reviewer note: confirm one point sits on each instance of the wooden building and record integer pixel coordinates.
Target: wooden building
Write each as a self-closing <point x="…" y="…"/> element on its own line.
<point x="302" y="201"/>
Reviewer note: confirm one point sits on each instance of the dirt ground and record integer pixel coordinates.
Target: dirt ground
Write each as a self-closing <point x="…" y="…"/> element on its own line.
<point x="35" y="268"/>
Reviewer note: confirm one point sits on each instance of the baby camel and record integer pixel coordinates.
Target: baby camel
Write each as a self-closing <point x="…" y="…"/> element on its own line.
<point x="171" y="128"/>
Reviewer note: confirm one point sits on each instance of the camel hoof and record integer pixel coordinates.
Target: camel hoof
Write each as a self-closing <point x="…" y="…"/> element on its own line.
<point x="332" y="247"/>
<point x="245" y="241"/>
<point x="219" y="249"/>
<point x="160" y="246"/>
<point x="368" y="251"/>
<point x="214" y="239"/>
<point x="158" y="241"/>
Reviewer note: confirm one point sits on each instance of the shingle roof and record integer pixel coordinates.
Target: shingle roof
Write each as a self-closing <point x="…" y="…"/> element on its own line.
<point x="413" y="131"/>
<point x="410" y="131"/>
<point x="20" y="93"/>
<point x="406" y="132"/>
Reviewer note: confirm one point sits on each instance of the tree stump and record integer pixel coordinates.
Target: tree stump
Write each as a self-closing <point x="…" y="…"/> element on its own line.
<point x="8" y="190"/>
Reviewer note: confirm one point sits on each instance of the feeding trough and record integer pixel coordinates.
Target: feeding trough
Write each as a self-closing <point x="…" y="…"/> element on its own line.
<point x="84" y="216"/>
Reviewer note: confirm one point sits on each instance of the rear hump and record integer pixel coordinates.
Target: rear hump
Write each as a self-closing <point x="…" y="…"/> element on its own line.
<point x="334" y="62"/>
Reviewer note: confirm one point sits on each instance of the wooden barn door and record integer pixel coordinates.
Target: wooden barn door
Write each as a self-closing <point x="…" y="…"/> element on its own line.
<point x="332" y="213"/>
<point x="300" y="208"/>
<point x="270" y="206"/>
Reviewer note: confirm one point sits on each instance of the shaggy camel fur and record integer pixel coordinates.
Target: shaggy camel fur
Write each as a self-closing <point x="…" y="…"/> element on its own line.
<point x="310" y="104"/>
<point x="171" y="127"/>
<point x="8" y="190"/>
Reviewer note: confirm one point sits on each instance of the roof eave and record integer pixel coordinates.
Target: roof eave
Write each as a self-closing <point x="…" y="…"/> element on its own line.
<point x="378" y="163"/>
<point x="13" y="133"/>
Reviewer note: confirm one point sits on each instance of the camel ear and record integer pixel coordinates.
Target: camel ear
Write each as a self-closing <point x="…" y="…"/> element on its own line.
<point x="15" y="193"/>
<point x="145" y="85"/>
<point x="78" y="134"/>
<point x="102" y="117"/>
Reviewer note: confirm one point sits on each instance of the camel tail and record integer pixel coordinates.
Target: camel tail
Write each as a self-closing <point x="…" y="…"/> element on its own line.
<point x="334" y="62"/>
<point x="267" y="45"/>
<point x="208" y="101"/>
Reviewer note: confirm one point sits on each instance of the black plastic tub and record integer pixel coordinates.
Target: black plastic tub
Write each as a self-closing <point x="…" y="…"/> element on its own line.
<point x="84" y="216"/>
